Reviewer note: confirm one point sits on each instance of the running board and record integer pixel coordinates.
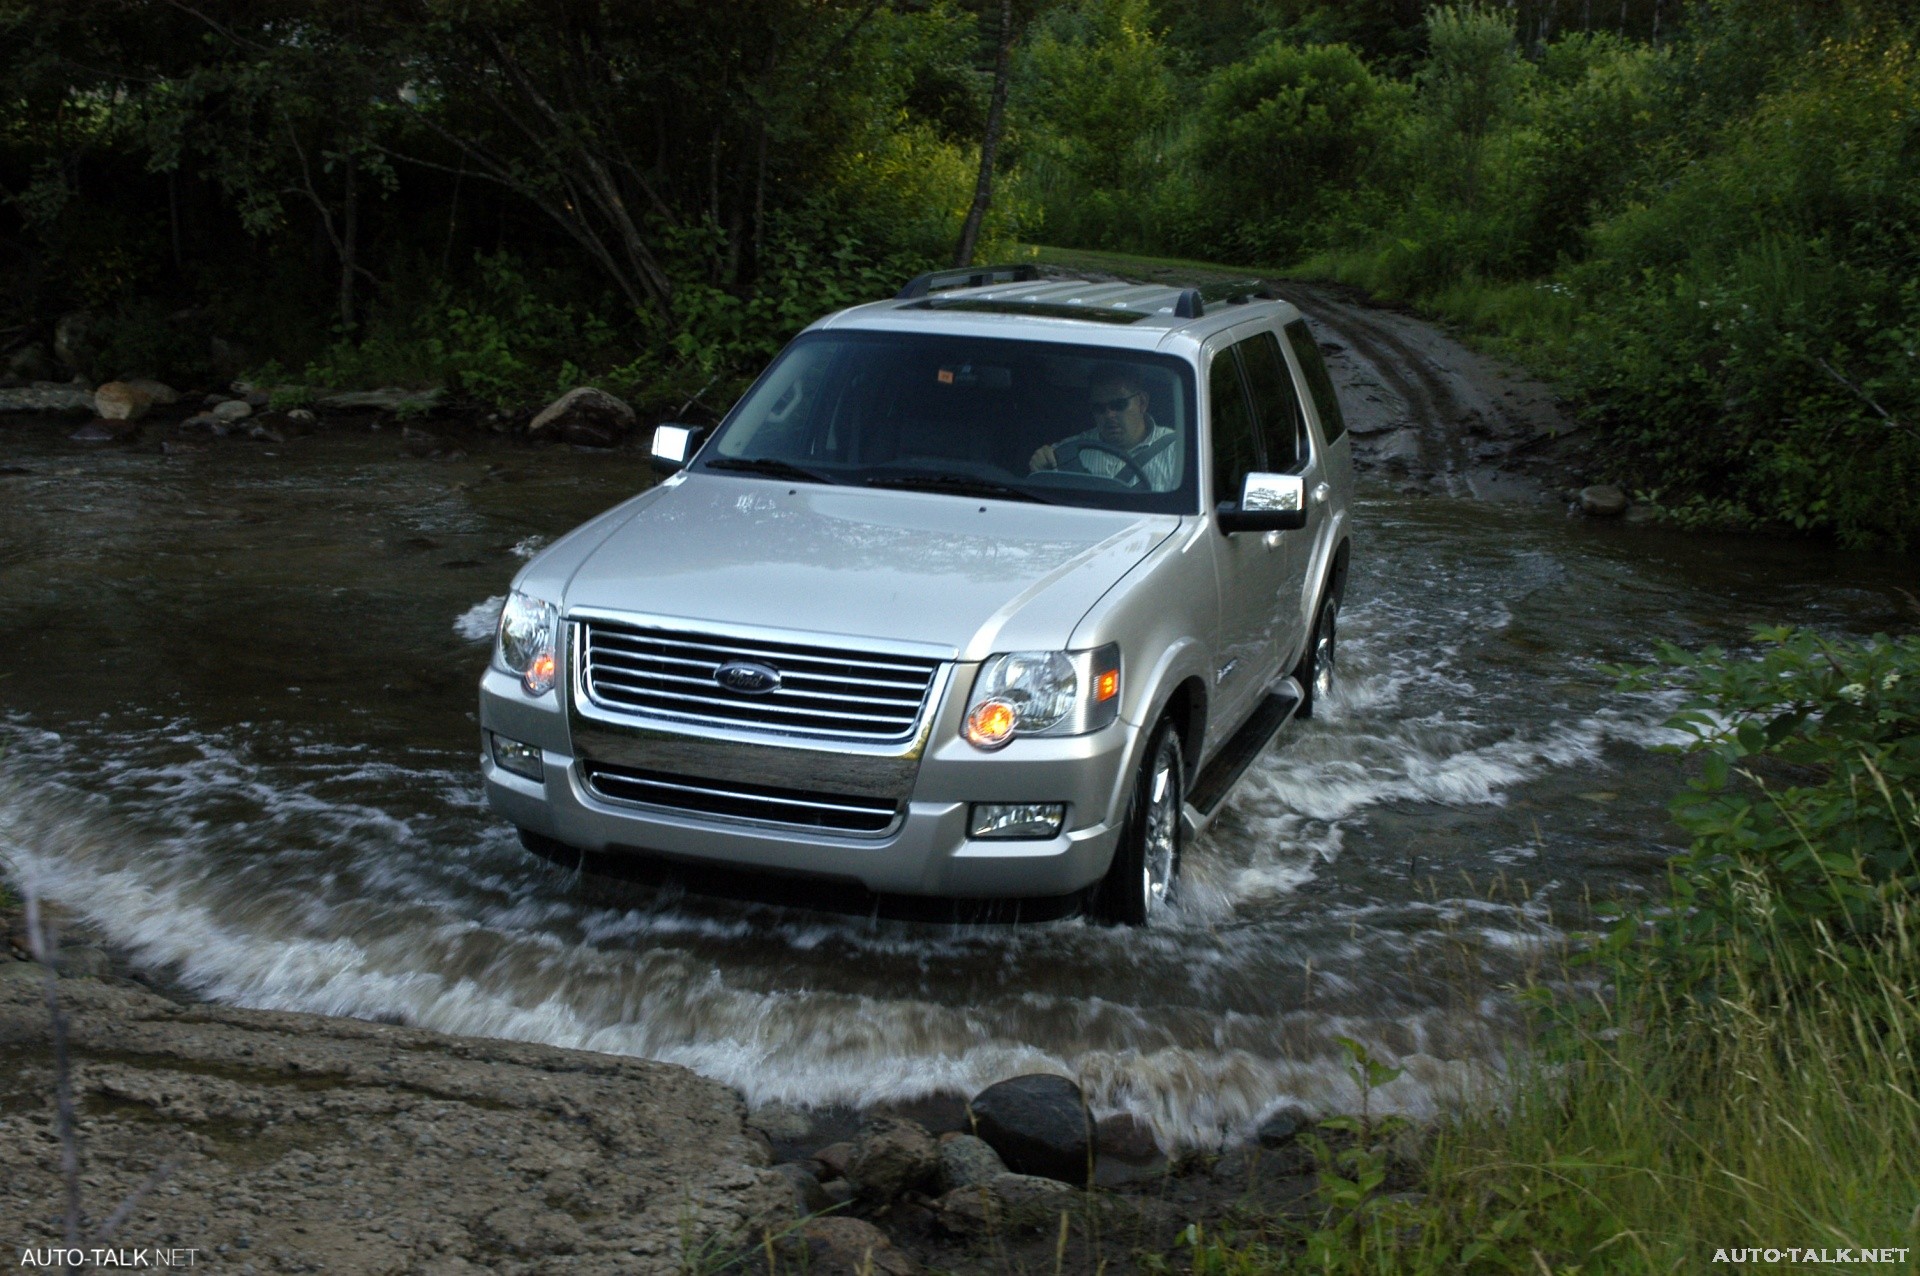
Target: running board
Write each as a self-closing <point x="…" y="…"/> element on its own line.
<point x="1211" y="787"/>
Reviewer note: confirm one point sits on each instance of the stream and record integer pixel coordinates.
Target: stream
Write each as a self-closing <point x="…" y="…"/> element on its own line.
<point x="237" y="735"/>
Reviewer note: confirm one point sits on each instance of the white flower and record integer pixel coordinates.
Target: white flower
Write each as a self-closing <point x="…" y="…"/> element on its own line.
<point x="1853" y="691"/>
<point x="1886" y="683"/>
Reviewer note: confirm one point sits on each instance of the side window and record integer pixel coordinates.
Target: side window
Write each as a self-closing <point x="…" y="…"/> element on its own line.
<point x="1234" y="456"/>
<point x="1282" y="425"/>
<point x="1319" y="384"/>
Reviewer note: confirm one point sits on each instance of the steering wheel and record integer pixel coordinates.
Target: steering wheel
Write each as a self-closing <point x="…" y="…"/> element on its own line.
<point x="1090" y="445"/>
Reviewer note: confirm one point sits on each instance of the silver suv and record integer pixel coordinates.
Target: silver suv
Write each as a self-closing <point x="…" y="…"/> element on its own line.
<point x="989" y="590"/>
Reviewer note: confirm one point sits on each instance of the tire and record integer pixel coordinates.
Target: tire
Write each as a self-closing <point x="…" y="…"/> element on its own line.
<point x="1316" y="669"/>
<point x="1139" y="883"/>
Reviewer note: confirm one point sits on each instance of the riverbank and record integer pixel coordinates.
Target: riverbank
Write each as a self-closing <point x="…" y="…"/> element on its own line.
<point x="264" y="1141"/>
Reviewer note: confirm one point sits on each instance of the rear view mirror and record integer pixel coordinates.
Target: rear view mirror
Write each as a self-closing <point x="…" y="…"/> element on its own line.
<point x="1268" y="503"/>
<point x="674" y="445"/>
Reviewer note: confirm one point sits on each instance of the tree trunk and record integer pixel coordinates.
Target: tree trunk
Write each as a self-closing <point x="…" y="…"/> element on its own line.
<point x="990" y="144"/>
<point x="349" y="238"/>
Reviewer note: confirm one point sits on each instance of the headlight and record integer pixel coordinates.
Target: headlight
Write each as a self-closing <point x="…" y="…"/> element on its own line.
<point x="1043" y="693"/>
<point x="526" y="647"/>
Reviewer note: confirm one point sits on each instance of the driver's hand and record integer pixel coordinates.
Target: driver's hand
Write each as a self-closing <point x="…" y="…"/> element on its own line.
<point x="1043" y="458"/>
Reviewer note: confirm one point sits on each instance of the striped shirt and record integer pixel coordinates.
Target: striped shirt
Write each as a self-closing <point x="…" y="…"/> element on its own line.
<point x="1157" y="456"/>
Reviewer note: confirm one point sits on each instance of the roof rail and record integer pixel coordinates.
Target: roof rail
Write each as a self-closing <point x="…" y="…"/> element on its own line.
<point x="1235" y="291"/>
<point x="967" y="277"/>
<point x="1190" y="304"/>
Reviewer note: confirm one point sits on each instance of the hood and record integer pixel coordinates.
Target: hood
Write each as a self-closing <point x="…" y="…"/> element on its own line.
<point x="973" y="576"/>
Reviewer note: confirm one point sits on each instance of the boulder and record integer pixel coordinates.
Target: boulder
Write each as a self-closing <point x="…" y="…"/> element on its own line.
<point x="890" y="1157"/>
<point x="808" y="1196"/>
<point x="1283" y="1126"/>
<point x="781" y="1123"/>
<point x="1603" y="500"/>
<point x="585" y="416"/>
<point x="1038" y="1124"/>
<point x="131" y="400"/>
<point x="966" y="1161"/>
<point x="1006" y="1202"/>
<point x="232" y="410"/>
<point x="838" y="1246"/>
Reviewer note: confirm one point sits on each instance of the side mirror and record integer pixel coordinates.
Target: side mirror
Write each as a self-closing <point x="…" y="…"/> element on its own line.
<point x="674" y="445"/>
<point x="1268" y="503"/>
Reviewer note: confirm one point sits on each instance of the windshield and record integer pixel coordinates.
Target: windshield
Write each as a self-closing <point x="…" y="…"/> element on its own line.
<point x="1013" y="420"/>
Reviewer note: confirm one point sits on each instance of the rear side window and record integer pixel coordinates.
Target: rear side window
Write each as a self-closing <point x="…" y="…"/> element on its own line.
<point x="1282" y="426"/>
<point x="1319" y="384"/>
<point x="1233" y="447"/>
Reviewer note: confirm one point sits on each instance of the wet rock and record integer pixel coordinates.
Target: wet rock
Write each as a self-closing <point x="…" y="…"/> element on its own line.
<point x="103" y="431"/>
<point x="231" y="410"/>
<point x="838" y="1191"/>
<point x="1283" y="1126"/>
<point x="853" y="1247"/>
<point x="780" y="1123"/>
<point x="25" y="973"/>
<point x="260" y="432"/>
<point x="966" y="1161"/>
<point x="892" y="1156"/>
<point x="1603" y="500"/>
<point x="386" y="399"/>
<point x="202" y="421"/>
<point x="302" y="417"/>
<point x="808" y="1196"/>
<point x="833" y="1160"/>
<point x="1038" y="1124"/>
<point x="45" y="396"/>
<point x="1007" y="1202"/>
<point x="1125" y="1151"/>
<point x="82" y="962"/>
<point x="584" y="416"/>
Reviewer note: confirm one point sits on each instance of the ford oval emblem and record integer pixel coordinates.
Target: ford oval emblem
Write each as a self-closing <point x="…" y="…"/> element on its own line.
<point x="747" y="677"/>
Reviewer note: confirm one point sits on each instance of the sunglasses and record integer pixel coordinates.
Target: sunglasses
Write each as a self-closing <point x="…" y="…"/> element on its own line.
<point x="1113" y="405"/>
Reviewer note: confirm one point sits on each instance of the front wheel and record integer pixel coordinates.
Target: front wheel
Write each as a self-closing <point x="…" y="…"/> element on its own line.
<point x="1315" y="672"/>
<point x="1139" y="883"/>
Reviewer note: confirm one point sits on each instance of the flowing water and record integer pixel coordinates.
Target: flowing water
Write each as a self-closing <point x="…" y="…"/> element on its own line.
<point x="237" y="735"/>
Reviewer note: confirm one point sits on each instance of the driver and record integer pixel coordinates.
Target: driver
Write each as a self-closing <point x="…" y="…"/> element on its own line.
<point x="1122" y="426"/>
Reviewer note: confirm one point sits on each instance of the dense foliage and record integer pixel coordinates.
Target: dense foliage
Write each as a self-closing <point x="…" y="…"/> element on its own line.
<point x="1709" y="228"/>
<point x="493" y="195"/>
<point x="1704" y="217"/>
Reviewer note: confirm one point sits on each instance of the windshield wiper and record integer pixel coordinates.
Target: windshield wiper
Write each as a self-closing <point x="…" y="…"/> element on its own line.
<point x="767" y="466"/>
<point x="956" y="485"/>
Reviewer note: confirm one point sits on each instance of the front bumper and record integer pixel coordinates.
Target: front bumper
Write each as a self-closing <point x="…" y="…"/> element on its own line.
<point x="924" y="851"/>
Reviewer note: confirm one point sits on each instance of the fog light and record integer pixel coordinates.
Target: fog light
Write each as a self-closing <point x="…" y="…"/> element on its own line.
<point x="1016" y="819"/>
<point x="521" y="759"/>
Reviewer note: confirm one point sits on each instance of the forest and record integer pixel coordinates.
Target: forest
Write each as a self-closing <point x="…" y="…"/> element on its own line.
<point x="1699" y="218"/>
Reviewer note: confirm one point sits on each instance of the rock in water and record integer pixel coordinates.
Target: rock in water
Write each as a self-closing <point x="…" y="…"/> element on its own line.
<point x="586" y="416"/>
<point x="232" y="410"/>
<point x="1603" y="501"/>
<point x="1038" y="1124"/>
<point x="130" y="400"/>
<point x="43" y="396"/>
<point x="967" y="1162"/>
<point x="890" y="1157"/>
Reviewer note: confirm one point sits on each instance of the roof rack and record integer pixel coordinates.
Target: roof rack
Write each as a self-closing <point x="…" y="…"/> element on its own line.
<point x="967" y="277"/>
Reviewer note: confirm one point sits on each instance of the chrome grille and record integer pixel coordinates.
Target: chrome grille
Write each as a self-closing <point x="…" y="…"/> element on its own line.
<point x="758" y="802"/>
<point x="822" y="692"/>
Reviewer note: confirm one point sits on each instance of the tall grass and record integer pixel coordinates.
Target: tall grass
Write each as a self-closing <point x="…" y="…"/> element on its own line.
<point x="1750" y="1080"/>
